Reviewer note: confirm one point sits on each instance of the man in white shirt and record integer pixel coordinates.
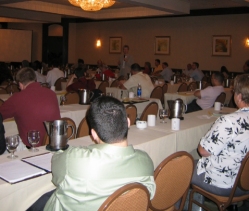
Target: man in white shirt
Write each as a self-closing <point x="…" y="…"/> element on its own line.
<point x="36" y="65"/>
<point x="54" y="74"/>
<point x="207" y="97"/>
<point x="188" y="71"/>
<point x="196" y="74"/>
<point x="138" y="77"/>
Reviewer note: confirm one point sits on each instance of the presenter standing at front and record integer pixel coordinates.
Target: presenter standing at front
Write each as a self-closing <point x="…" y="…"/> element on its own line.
<point x="125" y="62"/>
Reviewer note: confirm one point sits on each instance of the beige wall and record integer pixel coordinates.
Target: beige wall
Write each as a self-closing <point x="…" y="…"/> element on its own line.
<point x="37" y="37"/>
<point x="191" y="40"/>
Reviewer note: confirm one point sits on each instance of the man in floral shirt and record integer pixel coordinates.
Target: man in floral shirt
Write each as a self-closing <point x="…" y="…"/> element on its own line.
<point x="225" y="145"/>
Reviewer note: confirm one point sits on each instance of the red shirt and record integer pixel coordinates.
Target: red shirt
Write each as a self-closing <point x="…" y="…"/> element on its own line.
<point x="82" y="83"/>
<point x="30" y="108"/>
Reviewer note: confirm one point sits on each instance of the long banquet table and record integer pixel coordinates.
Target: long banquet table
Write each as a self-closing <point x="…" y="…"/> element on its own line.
<point x="76" y="112"/>
<point x="159" y="142"/>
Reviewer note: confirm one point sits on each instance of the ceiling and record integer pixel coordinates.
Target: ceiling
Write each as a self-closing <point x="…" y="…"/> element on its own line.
<point x="47" y="11"/>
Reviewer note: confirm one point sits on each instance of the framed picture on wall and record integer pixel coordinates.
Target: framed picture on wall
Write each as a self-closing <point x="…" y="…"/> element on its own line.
<point x="162" y="45"/>
<point x="115" y="44"/>
<point x="221" y="45"/>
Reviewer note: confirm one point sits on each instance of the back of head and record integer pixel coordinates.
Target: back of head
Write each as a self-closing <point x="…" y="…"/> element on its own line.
<point x="81" y="61"/>
<point x="158" y="61"/>
<point x="148" y="64"/>
<point x="241" y="86"/>
<point x="80" y="72"/>
<point x="36" y="65"/>
<point x="135" y="67"/>
<point x="166" y="64"/>
<point x="26" y="75"/>
<point x="107" y="116"/>
<point x="196" y="64"/>
<point x="219" y="77"/>
<point x="25" y="63"/>
<point x="223" y="69"/>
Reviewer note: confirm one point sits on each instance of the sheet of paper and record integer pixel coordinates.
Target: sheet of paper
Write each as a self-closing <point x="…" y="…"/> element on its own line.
<point x="42" y="161"/>
<point x="16" y="171"/>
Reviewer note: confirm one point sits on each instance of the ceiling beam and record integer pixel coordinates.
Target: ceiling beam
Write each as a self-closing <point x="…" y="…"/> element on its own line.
<point x="29" y="15"/>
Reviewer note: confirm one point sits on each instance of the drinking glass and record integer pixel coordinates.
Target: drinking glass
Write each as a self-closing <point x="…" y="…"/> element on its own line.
<point x="11" y="143"/>
<point x="163" y="113"/>
<point x="33" y="138"/>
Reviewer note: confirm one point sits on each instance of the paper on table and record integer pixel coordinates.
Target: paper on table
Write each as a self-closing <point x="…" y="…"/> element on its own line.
<point x="41" y="161"/>
<point x="16" y="171"/>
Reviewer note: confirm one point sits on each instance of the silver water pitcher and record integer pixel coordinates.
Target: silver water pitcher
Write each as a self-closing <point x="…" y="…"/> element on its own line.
<point x="57" y="131"/>
<point x="85" y="96"/>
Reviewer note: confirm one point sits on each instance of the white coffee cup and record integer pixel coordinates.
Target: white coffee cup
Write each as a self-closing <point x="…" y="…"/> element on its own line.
<point x="151" y="120"/>
<point x="175" y="124"/>
<point x="52" y="88"/>
<point x="172" y="82"/>
<point x="218" y="106"/>
<point x="141" y="124"/>
<point x="131" y="94"/>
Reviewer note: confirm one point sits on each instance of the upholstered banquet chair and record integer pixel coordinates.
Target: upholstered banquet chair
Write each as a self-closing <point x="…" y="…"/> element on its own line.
<point x="70" y="98"/>
<point x="3" y="90"/>
<point x="222" y="202"/>
<point x="192" y="86"/>
<point x="103" y="85"/>
<point x="221" y="98"/>
<point x="131" y="197"/>
<point x="151" y="108"/>
<point x="183" y="87"/>
<point x="57" y="83"/>
<point x="172" y="177"/>
<point x="131" y="111"/>
<point x="83" y="129"/>
<point x="157" y="93"/>
<point x="115" y="83"/>
<point x="165" y="89"/>
<point x="12" y="88"/>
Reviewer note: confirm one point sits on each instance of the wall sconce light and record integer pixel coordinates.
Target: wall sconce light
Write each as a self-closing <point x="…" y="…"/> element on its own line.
<point x="247" y="42"/>
<point x="98" y="43"/>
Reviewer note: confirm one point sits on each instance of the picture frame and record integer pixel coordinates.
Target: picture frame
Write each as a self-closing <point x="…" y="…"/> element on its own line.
<point x="115" y="44"/>
<point x="162" y="45"/>
<point x="221" y="45"/>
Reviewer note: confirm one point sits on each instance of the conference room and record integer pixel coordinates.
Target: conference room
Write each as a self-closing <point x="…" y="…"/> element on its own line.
<point x="189" y="31"/>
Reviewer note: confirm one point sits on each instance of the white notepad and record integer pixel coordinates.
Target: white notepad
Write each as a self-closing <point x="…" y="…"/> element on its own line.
<point x="41" y="161"/>
<point x="16" y="171"/>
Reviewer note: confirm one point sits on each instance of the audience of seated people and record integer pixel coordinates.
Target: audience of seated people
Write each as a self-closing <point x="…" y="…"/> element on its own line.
<point x="54" y="74"/>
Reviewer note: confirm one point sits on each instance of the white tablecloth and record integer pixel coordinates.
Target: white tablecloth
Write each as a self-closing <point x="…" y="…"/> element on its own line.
<point x="159" y="142"/>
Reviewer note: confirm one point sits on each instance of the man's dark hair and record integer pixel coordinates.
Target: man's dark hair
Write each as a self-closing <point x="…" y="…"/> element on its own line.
<point x="166" y="64"/>
<point x="107" y="116"/>
<point x="219" y="77"/>
<point x="55" y="63"/>
<point x="36" y="65"/>
<point x="158" y="60"/>
<point x="81" y="61"/>
<point x="25" y="63"/>
<point x="26" y="75"/>
<point x="126" y="46"/>
<point x="197" y="64"/>
<point x="135" y="67"/>
<point x="80" y="72"/>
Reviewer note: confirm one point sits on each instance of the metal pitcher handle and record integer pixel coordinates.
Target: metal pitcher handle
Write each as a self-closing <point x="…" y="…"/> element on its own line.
<point x="186" y="108"/>
<point x="72" y="132"/>
<point x="91" y="96"/>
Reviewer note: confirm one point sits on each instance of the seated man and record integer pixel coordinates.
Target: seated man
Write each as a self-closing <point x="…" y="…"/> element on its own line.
<point x="138" y="77"/>
<point x="32" y="106"/>
<point x="158" y="67"/>
<point x="225" y="145"/>
<point x="85" y="176"/>
<point x="196" y="74"/>
<point x="166" y="73"/>
<point x="207" y="97"/>
<point x="54" y="74"/>
<point x="81" y="81"/>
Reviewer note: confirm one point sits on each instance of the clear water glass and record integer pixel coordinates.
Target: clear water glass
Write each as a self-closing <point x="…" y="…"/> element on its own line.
<point x="163" y="114"/>
<point x="33" y="139"/>
<point x="11" y="144"/>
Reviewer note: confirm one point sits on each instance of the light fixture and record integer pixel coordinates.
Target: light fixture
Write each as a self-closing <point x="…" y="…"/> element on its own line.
<point x="98" y="43"/>
<point x="247" y="42"/>
<point x="92" y="5"/>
